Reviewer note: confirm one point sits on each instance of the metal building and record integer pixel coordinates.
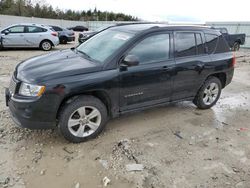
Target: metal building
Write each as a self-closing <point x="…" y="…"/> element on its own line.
<point x="235" y="28"/>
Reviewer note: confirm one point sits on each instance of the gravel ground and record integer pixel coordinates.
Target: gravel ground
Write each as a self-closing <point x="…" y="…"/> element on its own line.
<point x="177" y="145"/>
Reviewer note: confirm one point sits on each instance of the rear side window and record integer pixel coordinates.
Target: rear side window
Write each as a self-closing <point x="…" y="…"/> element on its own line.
<point x="152" y="49"/>
<point x="185" y="44"/>
<point x="34" y="29"/>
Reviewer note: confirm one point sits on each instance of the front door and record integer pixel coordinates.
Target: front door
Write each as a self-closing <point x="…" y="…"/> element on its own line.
<point x="14" y="37"/>
<point x="150" y="82"/>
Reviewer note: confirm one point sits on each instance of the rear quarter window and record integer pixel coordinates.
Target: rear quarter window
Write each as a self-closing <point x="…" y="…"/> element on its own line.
<point x="222" y="45"/>
<point x="216" y="44"/>
<point x="211" y="42"/>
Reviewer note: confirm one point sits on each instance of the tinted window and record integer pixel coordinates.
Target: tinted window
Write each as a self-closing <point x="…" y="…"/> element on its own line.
<point x="185" y="44"/>
<point x="34" y="29"/>
<point x="57" y="28"/>
<point x="16" y="29"/>
<point x="104" y="44"/>
<point x="222" y="45"/>
<point x="152" y="49"/>
<point x="211" y="42"/>
<point x="199" y="44"/>
<point x="223" y="30"/>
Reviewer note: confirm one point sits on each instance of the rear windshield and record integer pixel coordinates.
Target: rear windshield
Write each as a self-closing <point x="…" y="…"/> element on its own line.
<point x="216" y="44"/>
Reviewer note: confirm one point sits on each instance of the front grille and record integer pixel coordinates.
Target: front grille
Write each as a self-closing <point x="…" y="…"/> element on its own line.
<point x="12" y="86"/>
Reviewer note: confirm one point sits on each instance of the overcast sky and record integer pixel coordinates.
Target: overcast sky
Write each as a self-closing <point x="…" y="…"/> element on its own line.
<point x="163" y="10"/>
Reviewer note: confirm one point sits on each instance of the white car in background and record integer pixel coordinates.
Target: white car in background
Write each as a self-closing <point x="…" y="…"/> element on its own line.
<point x="29" y="36"/>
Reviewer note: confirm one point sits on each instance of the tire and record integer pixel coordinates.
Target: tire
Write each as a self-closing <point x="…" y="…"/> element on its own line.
<point x="63" y="40"/>
<point x="82" y="127"/>
<point x="236" y="46"/>
<point x="208" y="94"/>
<point x="46" y="45"/>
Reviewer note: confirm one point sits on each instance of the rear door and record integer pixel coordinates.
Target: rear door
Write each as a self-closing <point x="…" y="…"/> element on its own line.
<point x="150" y="82"/>
<point x="34" y="35"/>
<point x="191" y="59"/>
<point x="15" y="37"/>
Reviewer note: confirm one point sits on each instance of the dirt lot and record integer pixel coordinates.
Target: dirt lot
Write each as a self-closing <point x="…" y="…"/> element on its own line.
<point x="178" y="145"/>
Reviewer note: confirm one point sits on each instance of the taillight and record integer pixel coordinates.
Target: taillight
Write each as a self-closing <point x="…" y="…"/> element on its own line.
<point x="234" y="60"/>
<point x="54" y="34"/>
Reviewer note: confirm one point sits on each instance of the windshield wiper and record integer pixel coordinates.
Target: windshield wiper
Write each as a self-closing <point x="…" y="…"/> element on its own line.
<point x="86" y="55"/>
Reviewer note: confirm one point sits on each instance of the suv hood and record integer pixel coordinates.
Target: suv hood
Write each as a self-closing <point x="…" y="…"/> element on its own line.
<point x="54" y="65"/>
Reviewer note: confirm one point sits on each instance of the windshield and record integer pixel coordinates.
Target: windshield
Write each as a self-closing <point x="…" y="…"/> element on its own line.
<point x="102" y="28"/>
<point x="104" y="44"/>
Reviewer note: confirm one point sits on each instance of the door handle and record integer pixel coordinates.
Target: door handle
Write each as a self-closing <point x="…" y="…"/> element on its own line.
<point x="165" y="68"/>
<point x="199" y="67"/>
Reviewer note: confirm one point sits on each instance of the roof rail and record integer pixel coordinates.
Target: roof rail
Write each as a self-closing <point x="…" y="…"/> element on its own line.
<point x="134" y="23"/>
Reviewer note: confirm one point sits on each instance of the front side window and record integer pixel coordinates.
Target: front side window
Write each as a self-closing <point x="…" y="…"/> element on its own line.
<point x="16" y="29"/>
<point x="185" y="44"/>
<point x="152" y="49"/>
<point x="104" y="44"/>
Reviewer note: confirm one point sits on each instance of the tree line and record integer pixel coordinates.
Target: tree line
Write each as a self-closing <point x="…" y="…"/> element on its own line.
<point x="43" y="10"/>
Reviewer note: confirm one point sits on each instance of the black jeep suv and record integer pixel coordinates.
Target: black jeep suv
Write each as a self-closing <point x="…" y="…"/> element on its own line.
<point x="122" y="69"/>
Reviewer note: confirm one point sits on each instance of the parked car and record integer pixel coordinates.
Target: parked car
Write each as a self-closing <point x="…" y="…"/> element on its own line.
<point x="64" y="35"/>
<point x="234" y="40"/>
<point x="120" y="70"/>
<point x="79" y="28"/>
<point x="83" y="36"/>
<point x="29" y="36"/>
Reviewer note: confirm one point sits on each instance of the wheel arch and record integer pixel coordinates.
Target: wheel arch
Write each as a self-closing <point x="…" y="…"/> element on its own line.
<point x="221" y="76"/>
<point x="101" y="95"/>
<point x="46" y="40"/>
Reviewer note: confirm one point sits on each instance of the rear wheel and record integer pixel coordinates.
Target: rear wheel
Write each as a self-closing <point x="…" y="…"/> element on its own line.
<point x="46" y="45"/>
<point x="236" y="46"/>
<point x="82" y="119"/>
<point x="63" y="40"/>
<point x="208" y="94"/>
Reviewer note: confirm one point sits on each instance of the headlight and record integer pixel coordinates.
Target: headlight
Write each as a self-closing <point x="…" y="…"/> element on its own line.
<point x="85" y="36"/>
<point x="31" y="90"/>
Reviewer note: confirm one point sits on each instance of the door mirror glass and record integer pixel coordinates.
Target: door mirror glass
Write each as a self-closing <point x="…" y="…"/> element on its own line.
<point x="130" y="60"/>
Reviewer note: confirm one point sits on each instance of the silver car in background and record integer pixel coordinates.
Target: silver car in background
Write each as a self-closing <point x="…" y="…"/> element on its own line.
<point x="29" y="36"/>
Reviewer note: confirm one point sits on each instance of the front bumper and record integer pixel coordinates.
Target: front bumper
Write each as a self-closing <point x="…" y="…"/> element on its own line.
<point x="25" y="113"/>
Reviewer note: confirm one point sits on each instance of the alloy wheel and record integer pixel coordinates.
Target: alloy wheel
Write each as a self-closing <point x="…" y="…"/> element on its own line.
<point x="210" y="93"/>
<point x="84" y="121"/>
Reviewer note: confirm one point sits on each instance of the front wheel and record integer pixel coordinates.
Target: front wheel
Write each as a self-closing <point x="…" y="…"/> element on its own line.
<point x="208" y="94"/>
<point x="82" y="119"/>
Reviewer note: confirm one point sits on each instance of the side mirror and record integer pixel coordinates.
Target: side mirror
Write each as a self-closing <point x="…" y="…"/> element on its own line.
<point x="130" y="60"/>
<point x="6" y="32"/>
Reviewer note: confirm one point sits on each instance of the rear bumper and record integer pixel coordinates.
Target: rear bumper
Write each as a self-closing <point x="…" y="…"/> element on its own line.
<point x="25" y="113"/>
<point x="56" y="41"/>
<point x="71" y="39"/>
<point x="229" y="76"/>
